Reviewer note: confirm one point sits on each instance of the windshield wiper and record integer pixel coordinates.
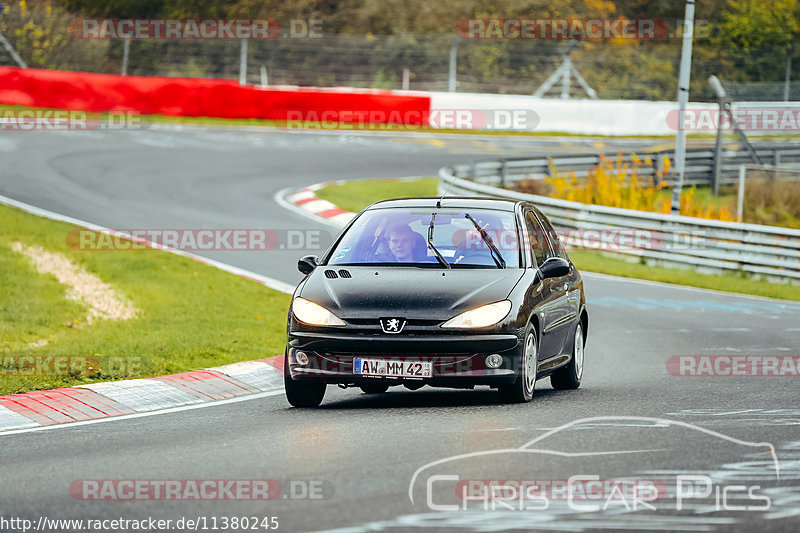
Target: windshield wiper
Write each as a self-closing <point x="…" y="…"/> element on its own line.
<point x="498" y="259"/>
<point x="436" y="252"/>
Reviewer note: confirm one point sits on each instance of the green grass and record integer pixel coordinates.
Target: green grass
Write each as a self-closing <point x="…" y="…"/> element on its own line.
<point x="594" y="261"/>
<point x="356" y="195"/>
<point x="193" y="315"/>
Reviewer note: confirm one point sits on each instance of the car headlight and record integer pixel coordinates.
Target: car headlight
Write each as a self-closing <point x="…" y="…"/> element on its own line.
<point x="480" y="317"/>
<point x="308" y="312"/>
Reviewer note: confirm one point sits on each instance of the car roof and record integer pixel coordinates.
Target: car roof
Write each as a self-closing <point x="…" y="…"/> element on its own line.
<point x="498" y="204"/>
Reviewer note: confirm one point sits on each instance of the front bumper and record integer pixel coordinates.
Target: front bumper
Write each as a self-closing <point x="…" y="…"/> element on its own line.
<point x="418" y="344"/>
<point x="458" y="360"/>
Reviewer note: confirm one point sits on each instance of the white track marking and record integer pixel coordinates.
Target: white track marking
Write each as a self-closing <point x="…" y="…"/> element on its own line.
<point x="272" y="283"/>
<point x="255" y="396"/>
<point x="10" y="419"/>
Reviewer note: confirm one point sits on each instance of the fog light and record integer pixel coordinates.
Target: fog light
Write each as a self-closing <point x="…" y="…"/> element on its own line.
<point x="302" y="358"/>
<point x="494" y="361"/>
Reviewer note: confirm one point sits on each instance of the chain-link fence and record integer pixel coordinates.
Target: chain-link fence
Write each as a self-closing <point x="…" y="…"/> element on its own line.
<point x="767" y="91"/>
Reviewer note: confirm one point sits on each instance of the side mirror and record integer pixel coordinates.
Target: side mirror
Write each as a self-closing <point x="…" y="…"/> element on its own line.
<point x="555" y="267"/>
<point x="307" y="264"/>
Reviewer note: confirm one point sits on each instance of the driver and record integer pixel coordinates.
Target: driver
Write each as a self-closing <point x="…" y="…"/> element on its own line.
<point x="402" y="243"/>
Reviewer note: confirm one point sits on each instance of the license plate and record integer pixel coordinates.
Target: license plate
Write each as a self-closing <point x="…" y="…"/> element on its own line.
<point x="394" y="369"/>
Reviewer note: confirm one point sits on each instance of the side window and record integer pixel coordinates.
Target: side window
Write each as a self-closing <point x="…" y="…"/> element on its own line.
<point x="538" y="241"/>
<point x="557" y="249"/>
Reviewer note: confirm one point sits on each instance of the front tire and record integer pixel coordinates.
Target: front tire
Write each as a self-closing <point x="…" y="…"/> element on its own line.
<point x="521" y="391"/>
<point x="570" y="376"/>
<point x="302" y="394"/>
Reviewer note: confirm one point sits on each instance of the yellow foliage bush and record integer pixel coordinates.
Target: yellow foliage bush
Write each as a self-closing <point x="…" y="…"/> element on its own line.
<point x="615" y="183"/>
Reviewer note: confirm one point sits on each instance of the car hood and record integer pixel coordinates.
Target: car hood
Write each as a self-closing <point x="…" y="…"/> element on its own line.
<point x="414" y="293"/>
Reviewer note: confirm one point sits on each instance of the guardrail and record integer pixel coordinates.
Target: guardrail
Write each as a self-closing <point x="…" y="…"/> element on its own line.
<point x="705" y="245"/>
<point x="699" y="165"/>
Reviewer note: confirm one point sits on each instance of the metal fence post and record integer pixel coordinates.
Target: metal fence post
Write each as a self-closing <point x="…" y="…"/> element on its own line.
<point x="503" y="172"/>
<point x="718" y="151"/>
<point x="126" y="51"/>
<point x="740" y="198"/>
<point x="243" y="63"/>
<point x="264" y="78"/>
<point x="13" y="53"/>
<point x="451" y="81"/>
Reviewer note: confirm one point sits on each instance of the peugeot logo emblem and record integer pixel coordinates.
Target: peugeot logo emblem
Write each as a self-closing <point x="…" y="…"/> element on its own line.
<point x="392" y="325"/>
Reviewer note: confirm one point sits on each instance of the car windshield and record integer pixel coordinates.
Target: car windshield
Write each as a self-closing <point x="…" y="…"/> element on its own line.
<point x="399" y="237"/>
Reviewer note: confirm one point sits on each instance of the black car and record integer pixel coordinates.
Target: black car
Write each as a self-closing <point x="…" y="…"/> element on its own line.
<point x="447" y="292"/>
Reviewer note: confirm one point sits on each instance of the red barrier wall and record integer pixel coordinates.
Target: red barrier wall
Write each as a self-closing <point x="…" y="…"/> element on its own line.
<point x="201" y="97"/>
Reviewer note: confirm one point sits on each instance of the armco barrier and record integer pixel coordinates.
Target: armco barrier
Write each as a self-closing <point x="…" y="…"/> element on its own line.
<point x="199" y="97"/>
<point x="706" y="245"/>
<point x="699" y="164"/>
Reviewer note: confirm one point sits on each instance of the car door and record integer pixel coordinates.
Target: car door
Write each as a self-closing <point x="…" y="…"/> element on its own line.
<point x="565" y="296"/>
<point x="542" y="292"/>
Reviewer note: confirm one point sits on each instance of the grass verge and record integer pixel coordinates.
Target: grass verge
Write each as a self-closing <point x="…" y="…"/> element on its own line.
<point x="594" y="261"/>
<point x="193" y="315"/>
<point x="355" y="195"/>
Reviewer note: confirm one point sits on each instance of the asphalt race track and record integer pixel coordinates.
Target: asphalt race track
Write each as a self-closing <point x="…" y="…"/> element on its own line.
<point x="356" y="463"/>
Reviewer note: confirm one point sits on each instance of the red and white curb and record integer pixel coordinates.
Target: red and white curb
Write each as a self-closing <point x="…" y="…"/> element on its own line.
<point x="115" y="398"/>
<point x="307" y="201"/>
<point x="129" y="397"/>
